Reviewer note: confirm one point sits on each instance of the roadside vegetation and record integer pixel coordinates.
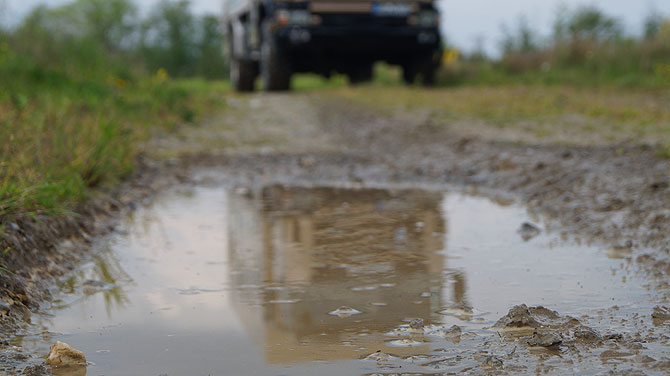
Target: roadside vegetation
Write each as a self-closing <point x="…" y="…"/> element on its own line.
<point x="535" y="113"/>
<point x="82" y="85"/>
<point x="587" y="48"/>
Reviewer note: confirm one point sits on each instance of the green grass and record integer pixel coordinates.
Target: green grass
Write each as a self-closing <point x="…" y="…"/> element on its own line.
<point x="65" y="135"/>
<point x="530" y="112"/>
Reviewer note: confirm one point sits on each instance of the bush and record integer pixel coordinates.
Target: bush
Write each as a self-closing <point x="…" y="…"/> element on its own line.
<point x="588" y="48"/>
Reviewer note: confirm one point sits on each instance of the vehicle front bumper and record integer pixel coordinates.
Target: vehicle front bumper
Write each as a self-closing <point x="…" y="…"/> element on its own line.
<point x="359" y="40"/>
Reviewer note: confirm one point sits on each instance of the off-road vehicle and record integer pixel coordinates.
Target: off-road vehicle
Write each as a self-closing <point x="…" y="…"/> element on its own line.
<point x="276" y="38"/>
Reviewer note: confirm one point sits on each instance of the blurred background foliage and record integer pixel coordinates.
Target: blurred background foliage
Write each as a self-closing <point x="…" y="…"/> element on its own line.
<point x="587" y="48"/>
<point x="82" y="85"/>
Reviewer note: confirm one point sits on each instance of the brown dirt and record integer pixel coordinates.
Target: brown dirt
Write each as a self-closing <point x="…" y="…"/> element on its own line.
<point x="615" y="195"/>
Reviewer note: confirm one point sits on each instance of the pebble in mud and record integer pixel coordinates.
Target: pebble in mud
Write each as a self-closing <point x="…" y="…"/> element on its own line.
<point x="344" y="311"/>
<point x="528" y="231"/>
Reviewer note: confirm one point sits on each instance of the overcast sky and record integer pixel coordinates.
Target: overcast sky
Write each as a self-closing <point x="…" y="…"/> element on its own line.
<point x="464" y="21"/>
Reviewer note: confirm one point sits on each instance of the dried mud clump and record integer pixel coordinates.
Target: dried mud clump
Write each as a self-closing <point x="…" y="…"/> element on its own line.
<point x="549" y="329"/>
<point x="522" y="317"/>
<point x="547" y="340"/>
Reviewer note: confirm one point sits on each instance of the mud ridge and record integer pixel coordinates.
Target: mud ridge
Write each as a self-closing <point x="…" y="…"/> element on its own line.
<point x="45" y="247"/>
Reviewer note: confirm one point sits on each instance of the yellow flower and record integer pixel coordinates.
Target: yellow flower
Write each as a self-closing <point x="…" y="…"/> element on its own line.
<point x="161" y="75"/>
<point x="450" y="56"/>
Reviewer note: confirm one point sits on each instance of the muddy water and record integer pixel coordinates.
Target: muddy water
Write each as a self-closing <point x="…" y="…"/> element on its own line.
<point x="257" y="281"/>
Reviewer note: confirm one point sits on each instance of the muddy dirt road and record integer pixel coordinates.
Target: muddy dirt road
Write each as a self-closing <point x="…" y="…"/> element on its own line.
<point x="305" y="234"/>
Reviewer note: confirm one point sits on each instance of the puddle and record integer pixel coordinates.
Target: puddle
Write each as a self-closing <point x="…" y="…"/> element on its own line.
<point x="298" y="281"/>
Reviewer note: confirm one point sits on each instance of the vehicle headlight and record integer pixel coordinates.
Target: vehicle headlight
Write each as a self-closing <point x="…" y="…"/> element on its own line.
<point x="428" y="18"/>
<point x="293" y="17"/>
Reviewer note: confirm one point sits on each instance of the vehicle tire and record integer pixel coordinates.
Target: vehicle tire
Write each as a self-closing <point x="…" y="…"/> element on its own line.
<point x="409" y="73"/>
<point x="274" y="67"/>
<point x="428" y="70"/>
<point x="242" y="75"/>
<point x="360" y="74"/>
<point x="428" y="76"/>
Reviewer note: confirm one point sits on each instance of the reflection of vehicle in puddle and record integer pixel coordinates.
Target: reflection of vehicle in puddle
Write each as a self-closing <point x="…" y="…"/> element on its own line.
<point x="301" y="254"/>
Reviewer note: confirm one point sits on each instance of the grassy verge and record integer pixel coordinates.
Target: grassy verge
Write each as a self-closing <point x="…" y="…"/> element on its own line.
<point x="530" y="113"/>
<point x="63" y="138"/>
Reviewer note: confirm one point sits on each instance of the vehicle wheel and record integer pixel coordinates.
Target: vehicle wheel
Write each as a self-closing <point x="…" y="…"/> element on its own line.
<point x="428" y="76"/>
<point x="275" y="71"/>
<point x="242" y="75"/>
<point x="360" y="74"/>
<point x="409" y="74"/>
<point x="428" y="69"/>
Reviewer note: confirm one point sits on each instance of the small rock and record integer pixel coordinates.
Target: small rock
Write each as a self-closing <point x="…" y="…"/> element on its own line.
<point x="344" y="311"/>
<point x="528" y="231"/>
<point x="62" y="354"/>
<point x="547" y="340"/>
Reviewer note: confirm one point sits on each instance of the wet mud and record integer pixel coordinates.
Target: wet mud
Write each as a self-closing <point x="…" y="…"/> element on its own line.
<point x="267" y="279"/>
<point x="392" y="245"/>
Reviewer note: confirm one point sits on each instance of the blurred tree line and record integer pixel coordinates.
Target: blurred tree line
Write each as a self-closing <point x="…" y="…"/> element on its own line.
<point x="89" y="37"/>
<point x="587" y="46"/>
